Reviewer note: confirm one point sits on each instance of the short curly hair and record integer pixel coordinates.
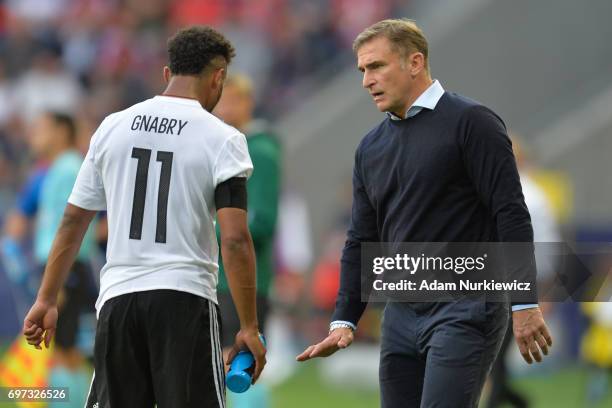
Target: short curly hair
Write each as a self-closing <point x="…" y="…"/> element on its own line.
<point x="194" y="49"/>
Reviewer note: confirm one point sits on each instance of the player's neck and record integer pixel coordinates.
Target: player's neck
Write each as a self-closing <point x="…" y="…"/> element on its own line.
<point x="183" y="87"/>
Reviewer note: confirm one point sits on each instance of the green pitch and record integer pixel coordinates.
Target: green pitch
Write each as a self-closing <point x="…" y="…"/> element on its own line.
<point x="565" y="388"/>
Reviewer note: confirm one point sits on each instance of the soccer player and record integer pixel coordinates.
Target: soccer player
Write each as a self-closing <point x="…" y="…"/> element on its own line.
<point x="162" y="169"/>
<point x="18" y="221"/>
<point x="438" y="168"/>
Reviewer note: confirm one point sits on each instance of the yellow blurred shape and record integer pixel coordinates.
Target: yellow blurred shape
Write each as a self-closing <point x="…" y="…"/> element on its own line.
<point x="558" y="190"/>
<point x="25" y="366"/>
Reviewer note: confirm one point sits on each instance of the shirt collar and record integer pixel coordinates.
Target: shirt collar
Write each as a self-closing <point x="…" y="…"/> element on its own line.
<point x="427" y="100"/>
<point x="178" y="99"/>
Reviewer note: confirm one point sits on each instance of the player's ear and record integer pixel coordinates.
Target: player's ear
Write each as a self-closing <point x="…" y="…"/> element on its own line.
<point x="219" y="77"/>
<point x="167" y="74"/>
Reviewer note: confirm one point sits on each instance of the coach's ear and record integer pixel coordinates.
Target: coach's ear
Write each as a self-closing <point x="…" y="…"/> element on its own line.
<point x="416" y="63"/>
<point x="167" y="74"/>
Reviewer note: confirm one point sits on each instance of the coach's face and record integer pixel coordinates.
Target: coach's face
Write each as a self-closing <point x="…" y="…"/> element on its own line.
<point x="386" y="78"/>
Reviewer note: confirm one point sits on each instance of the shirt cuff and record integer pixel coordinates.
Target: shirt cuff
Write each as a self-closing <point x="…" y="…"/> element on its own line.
<point x="516" y="308"/>
<point x="344" y="322"/>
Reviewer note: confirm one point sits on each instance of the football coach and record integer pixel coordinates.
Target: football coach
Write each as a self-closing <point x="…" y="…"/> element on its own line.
<point x="438" y="168"/>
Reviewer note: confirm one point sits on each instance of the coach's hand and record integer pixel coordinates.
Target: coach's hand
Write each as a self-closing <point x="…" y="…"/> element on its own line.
<point x="531" y="333"/>
<point x="40" y="323"/>
<point x="338" y="339"/>
<point x="249" y="339"/>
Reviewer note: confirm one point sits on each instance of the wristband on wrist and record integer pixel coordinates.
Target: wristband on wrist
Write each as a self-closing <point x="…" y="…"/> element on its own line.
<point x="340" y="325"/>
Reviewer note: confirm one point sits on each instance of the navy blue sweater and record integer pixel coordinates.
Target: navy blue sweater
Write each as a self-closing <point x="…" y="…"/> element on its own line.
<point x="444" y="175"/>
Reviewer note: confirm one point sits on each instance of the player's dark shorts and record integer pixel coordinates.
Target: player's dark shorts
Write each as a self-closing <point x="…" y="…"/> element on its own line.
<point x="229" y="317"/>
<point x="78" y="296"/>
<point x="158" y="347"/>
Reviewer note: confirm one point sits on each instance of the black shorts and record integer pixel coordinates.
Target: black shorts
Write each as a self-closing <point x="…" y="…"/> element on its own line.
<point x="157" y="347"/>
<point x="78" y="297"/>
<point x="229" y="317"/>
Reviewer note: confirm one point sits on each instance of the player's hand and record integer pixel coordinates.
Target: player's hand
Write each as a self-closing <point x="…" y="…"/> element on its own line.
<point x="338" y="339"/>
<point x="531" y="334"/>
<point x="40" y="323"/>
<point x="249" y="339"/>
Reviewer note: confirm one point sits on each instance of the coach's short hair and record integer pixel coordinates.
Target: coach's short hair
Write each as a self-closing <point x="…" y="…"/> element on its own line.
<point x="194" y="49"/>
<point x="403" y="34"/>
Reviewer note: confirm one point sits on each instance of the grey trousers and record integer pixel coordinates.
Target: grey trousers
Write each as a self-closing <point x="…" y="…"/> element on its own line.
<point x="438" y="354"/>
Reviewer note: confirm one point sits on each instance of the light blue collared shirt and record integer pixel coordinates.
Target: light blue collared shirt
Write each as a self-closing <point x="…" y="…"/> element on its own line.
<point x="427" y="100"/>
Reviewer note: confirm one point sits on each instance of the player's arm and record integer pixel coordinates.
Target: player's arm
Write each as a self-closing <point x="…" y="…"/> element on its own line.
<point x="40" y="322"/>
<point x="239" y="262"/>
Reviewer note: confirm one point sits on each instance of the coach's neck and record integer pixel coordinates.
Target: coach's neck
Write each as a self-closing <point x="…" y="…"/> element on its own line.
<point x="417" y="88"/>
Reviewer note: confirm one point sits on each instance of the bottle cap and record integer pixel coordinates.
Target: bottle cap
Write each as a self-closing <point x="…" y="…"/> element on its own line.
<point x="238" y="381"/>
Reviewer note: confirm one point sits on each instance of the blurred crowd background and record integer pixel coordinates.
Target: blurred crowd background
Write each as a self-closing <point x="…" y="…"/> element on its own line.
<point x="545" y="68"/>
<point x="92" y="57"/>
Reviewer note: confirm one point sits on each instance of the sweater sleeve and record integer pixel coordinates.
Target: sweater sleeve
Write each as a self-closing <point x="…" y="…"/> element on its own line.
<point x="490" y="163"/>
<point x="363" y="228"/>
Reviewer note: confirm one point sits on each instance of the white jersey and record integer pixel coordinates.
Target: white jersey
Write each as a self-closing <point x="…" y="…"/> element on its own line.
<point x="154" y="167"/>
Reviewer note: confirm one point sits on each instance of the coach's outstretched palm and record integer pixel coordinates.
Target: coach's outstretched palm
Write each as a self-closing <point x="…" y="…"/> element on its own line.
<point x="338" y="339"/>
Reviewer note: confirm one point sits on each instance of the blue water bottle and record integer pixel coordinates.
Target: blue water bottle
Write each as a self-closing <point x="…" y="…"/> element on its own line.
<point x="240" y="374"/>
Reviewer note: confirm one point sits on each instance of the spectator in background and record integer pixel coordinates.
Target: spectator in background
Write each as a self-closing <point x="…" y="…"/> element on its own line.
<point x="92" y="57"/>
<point x="17" y="223"/>
<point x="6" y="109"/>
<point x="38" y="11"/>
<point x="55" y="136"/>
<point x="263" y="188"/>
<point x="46" y="85"/>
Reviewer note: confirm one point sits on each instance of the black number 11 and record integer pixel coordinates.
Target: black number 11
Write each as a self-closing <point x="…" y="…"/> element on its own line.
<point x="140" y="193"/>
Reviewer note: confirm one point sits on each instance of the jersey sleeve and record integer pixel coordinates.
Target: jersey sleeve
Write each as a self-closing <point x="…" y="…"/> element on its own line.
<point x="88" y="191"/>
<point x="233" y="160"/>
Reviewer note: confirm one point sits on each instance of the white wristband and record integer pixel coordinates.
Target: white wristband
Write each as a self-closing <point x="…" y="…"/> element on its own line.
<point x="341" y="324"/>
